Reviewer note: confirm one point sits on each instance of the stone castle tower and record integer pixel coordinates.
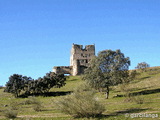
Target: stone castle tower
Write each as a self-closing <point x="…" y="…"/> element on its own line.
<point x="79" y="60"/>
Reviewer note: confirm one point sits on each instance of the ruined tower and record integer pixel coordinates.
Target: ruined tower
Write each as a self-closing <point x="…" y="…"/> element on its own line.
<point x="79" y="60"/>
<point x="80" y="57"/>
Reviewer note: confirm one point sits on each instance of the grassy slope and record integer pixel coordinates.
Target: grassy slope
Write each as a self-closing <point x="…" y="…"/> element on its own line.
<point x="147" y="84"/>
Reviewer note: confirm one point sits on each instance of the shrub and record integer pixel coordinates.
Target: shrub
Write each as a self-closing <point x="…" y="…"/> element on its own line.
<point x="9" y="113"/>
<point x="14" y="105"/>
<point x="81" y="103"/>
<point x="12" y="109"/>
<point x="37" y="107"/>
<point x="36" y="104"/>
<point x="139" y="99"/>
<point x="125" y="89"/>
<point x="31" y="100"/>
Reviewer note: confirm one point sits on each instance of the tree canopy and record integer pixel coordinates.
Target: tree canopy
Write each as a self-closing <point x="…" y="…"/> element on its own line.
<point x="18" y="84"/>
<point x="142" y="66"/>
<point x="106" y="69"/>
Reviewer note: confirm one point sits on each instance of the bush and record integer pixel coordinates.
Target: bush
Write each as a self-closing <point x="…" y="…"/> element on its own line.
<point x="12" y="109"/>
<point x="31" y="100"/>
<point x="14" y="105"/>
<point x="125" y="89"/>
<point x="9" y="113"/>
<point x="36" y="104"/>
<point x="139" y="99"/>
<point x="81" y="103"/>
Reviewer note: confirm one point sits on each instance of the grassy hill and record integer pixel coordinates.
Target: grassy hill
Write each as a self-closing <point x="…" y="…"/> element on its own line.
<point x="144" y="100"/>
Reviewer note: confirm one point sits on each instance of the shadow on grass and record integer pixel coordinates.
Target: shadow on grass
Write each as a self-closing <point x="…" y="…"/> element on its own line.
<point x="133" y="110"/>
<point x="73" y="80"/>
<point x="105" y="116"/>
<point x="57" y="93"/>
<point x="145" y="92"/>
<point x="136" y="89"/>
<point x="144" y="78"/>
<point x="48" y="94"/>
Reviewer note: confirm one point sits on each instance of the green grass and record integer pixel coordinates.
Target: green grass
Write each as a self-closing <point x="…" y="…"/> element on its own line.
<point x="146" y="85"/>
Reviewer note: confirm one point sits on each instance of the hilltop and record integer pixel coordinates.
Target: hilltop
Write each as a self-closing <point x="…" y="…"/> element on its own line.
<point x="144" y="98"/>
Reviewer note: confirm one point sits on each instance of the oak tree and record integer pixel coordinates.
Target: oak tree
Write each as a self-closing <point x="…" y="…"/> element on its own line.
<point x="142" y="66"/>
<point x="107" y="69"/>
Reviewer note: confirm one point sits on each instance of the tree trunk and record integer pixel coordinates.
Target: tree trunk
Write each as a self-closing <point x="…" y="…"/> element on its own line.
<point x="107" y="92"/>
<point x="16" y="94"/>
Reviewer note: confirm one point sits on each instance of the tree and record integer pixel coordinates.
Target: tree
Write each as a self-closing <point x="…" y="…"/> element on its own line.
<point x="54" y="80"/>
<point x="43" y="85"/>
<point x="142" y="66"/>
<point x="16" y="84"/>
<point x="107" y="69"/>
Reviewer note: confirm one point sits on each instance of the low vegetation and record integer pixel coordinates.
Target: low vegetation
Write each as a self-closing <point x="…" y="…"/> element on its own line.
<point x="9" y="113"/>
<point x="140" y="96"/>
<point x="81" y="103"/>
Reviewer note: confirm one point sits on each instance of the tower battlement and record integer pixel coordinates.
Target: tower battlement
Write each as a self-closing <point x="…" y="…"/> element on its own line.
<point x="86" y="48"/>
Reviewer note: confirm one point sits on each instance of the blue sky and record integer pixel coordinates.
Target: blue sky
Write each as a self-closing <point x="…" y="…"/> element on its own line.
<point x="36" y="35"/>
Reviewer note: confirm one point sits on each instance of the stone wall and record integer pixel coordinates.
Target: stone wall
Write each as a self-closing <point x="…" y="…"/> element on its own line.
<point x="63" y="69"/>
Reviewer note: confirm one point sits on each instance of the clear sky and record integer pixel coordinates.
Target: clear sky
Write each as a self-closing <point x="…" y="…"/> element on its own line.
<point x="36" y="35"/>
